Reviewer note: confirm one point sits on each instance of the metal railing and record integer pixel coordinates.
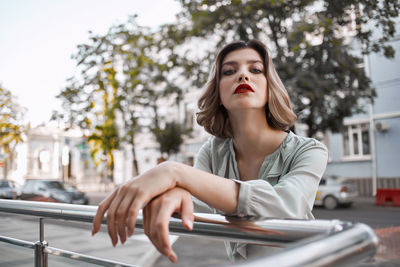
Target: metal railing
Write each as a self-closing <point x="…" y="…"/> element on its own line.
<point x="317" y="243"/>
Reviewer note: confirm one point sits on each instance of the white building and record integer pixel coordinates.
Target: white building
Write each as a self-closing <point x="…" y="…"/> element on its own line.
<point x="52" y="153"/>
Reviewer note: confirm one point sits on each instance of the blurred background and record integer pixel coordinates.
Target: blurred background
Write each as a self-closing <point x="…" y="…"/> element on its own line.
<point x="95" y="92"/>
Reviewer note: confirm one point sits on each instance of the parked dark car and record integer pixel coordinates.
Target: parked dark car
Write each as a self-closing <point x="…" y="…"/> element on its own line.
<point x="8" y="189"/>
<point x="52" y="191"/>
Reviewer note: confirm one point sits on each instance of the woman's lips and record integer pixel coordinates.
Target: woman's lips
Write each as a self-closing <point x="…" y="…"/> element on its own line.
<point x="243" y="88"/>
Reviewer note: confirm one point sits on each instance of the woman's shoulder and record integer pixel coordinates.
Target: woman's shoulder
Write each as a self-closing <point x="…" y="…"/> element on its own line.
<point x="217" y="145"/>
<point x="296" y="143"/>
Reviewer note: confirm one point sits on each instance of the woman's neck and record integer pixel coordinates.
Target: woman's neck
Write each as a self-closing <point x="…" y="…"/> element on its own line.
<point x="252" y="136"/>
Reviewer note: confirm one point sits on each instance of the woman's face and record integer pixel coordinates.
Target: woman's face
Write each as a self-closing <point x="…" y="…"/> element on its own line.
<point x="243" y="84"/>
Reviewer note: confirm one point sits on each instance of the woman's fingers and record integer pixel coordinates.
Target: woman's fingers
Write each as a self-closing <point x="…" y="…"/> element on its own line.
<point x="121" y="215"/>
<point x="133" y="200"/>
<point x="154" y="227"/>
<point x="146" y="220"/>
<point x="111" y="219"/>
<point x="101" y="210"/>
<point x="157" y="214"/>
<point x="187" y="212"/>
<point x="140" y="199"/>
<point x="124" y="204"/>
<point x="162" y="211"/>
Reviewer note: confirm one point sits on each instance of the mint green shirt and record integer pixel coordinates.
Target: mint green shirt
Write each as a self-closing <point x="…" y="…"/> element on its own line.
<point x="287" y="181"/>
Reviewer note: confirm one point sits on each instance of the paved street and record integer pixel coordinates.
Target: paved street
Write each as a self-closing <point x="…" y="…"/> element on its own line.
<point x="365" y="211"/>
<point x="192" y="251"/>
<point x="72" y="236"/>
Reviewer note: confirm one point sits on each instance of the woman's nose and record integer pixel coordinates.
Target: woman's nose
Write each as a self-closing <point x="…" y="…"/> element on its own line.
<point x="243" y="77"/>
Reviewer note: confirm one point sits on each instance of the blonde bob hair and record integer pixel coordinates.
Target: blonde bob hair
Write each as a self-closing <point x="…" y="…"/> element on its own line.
<point x="213" y="116"/>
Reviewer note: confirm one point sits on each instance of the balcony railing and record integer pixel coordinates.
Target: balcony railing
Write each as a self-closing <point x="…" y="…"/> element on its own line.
<point x="317" y="243"/>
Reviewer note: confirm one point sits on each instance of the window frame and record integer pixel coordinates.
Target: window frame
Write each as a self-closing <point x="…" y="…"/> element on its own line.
<point x="356" y="128"/>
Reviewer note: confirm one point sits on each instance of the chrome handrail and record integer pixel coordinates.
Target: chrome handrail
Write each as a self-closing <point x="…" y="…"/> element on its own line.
<point x="344" y="241"/>
<point x="65" y="253"/>
<point x="344" y="248"/>
<point x="211" y="225"/>
<point x="17" y="242"/>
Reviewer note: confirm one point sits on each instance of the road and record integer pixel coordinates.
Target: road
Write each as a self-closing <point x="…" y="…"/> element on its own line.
<point x="71" y="236"/>
<point x="192" y="251"/>
<point x="364" y="211"/>
<point x="384" y="220"/>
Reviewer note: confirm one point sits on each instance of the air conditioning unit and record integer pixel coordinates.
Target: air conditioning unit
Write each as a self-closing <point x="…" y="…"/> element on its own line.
<point x="381" y="126"/>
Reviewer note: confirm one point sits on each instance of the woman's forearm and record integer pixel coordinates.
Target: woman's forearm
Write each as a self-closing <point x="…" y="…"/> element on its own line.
<point x="218" y="192"/>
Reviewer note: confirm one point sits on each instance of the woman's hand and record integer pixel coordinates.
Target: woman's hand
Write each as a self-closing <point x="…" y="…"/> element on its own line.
<point x="124" y="203"/>
<point x="156" y="217"/>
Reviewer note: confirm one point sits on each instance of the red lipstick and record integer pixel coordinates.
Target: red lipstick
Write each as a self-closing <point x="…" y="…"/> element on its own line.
<point x="243" y="88"/>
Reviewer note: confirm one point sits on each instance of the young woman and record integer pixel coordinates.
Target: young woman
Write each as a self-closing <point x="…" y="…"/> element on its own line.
<point x="253" y="166"/>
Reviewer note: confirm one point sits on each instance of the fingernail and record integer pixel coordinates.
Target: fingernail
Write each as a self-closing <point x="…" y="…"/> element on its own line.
<point x="189" y="224"/>
<point x="130" y="232"/>
<point x="172" y="258"/>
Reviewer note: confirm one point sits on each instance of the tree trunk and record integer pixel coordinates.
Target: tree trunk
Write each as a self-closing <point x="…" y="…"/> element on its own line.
<point x="135" y="164"/>
<point x="5" y="169"/>
<point x="310" y="122"/>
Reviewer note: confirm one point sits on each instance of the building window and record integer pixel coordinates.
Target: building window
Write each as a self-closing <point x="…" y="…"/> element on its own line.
<point x="44" y="161"/>
<point x="356" y="141"/>
<point x="189" y="119"/>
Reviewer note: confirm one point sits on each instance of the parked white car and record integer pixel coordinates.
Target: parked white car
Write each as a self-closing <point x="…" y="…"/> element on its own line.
<point x="334" y="191"/>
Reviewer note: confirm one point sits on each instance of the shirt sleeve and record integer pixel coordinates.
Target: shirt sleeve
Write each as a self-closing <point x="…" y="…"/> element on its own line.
<point x="203" y="162"/>
<point x="293" y="196"/>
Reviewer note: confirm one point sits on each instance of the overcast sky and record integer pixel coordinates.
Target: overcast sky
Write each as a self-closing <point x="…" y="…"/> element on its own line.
<point x="38" y="37"/>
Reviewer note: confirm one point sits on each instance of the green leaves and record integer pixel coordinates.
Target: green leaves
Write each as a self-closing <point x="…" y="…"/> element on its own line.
<point x="11" y="127"/>
<point x="310" y="40"/>
<point x="170" y="137"/>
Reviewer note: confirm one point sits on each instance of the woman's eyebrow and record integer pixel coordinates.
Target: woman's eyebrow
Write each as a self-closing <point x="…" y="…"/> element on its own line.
<point x="248" y="62"/>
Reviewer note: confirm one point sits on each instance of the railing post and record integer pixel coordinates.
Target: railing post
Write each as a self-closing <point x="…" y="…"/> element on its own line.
<point x="40" y="255"/>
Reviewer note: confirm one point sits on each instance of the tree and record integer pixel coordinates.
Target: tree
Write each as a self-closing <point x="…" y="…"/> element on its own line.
<point x="11" y="127"/>
<point x="94" y="99"/>
<point x="170" y="137"/>
<point x="104" y="140"/>
<point x="127" y="64"/>
<point x="312" y="51"/>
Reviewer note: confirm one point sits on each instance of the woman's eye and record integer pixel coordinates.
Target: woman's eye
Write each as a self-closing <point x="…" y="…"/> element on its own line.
<point x="256" y="70"/>
<point x="228" y="72"/>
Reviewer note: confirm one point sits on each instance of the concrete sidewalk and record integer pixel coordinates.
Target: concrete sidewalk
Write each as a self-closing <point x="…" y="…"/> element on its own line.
<point x="71" y="236"/>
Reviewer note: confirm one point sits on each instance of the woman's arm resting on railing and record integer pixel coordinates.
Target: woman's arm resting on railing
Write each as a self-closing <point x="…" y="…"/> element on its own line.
<point x="223" y="194"/>
<point x="123" y="205"/>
